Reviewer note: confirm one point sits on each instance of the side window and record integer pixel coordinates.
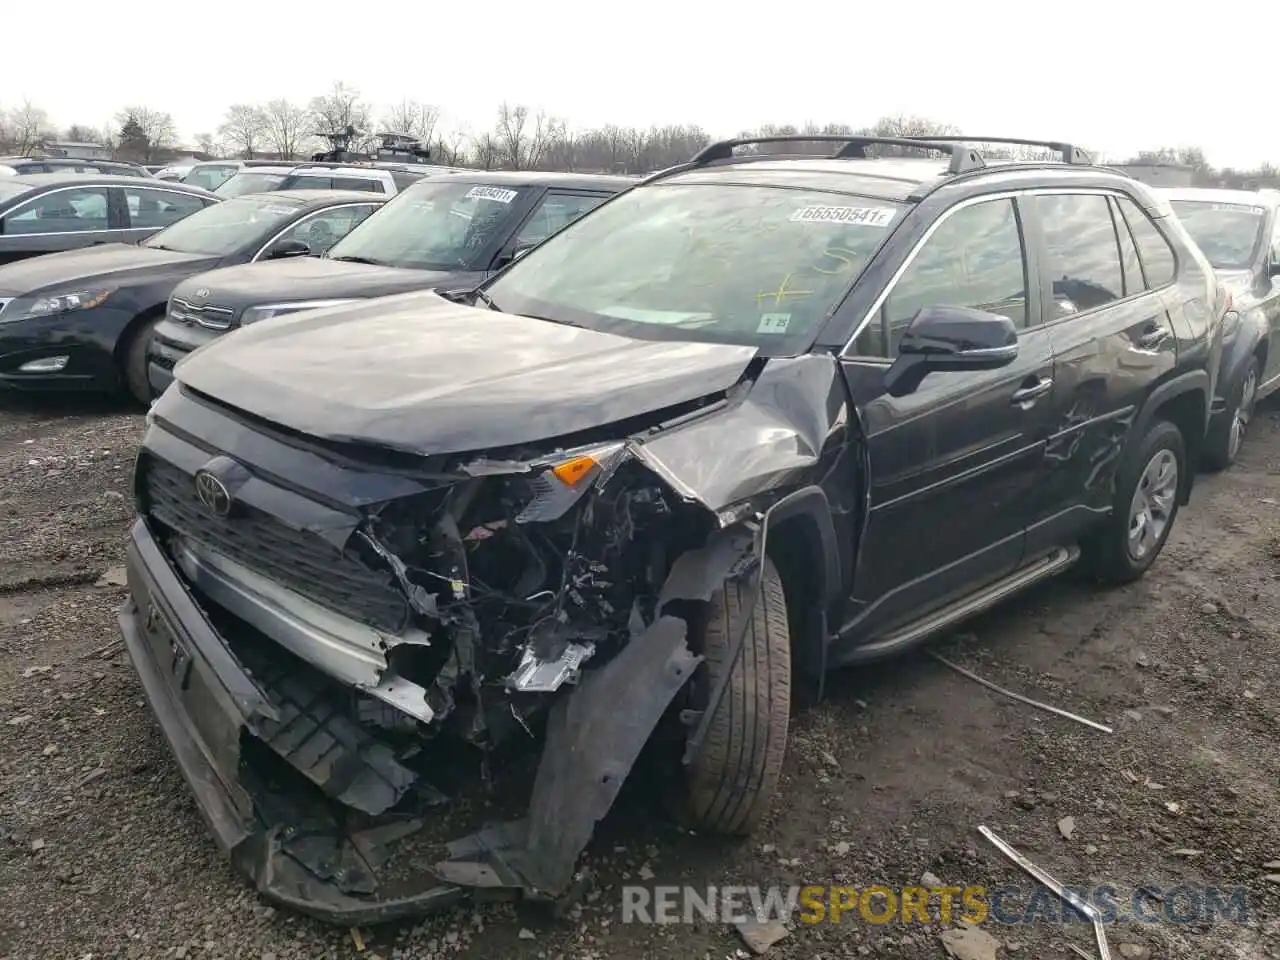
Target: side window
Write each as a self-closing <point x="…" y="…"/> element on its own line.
<point x="358" y="183"/>
<point x="556" y="211"/>
<point x="153" y="209"/>
<point x="323" y="230"/>
<point x="63" y="211"/>
<point x="1133" y="282"/>
<point x="1082" y="251"/>
<point x="1153" y="248"/>
<point x="973" y="259"/>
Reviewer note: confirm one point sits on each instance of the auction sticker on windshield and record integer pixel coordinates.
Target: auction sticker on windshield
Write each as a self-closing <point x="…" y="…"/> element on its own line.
<point x="774" y="323"/>
<point x="861" y="216"/>
<point x="497" y="194"/>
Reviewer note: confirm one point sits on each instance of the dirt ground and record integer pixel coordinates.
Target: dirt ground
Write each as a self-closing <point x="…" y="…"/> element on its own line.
<point x="102" y="852"/>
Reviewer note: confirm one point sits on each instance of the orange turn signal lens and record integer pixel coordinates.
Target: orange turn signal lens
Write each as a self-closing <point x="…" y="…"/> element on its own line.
<point x="571" y="472"/>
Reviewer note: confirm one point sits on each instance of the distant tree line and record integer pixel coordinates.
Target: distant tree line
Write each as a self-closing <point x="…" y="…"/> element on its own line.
<point x="521" y="137"/>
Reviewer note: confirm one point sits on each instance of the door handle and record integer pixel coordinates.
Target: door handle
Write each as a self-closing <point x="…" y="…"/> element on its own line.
<point x="1033" y="392"/>
<point x="1152" y="337"/>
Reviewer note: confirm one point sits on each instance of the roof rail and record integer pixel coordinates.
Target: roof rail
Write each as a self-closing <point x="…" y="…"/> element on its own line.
<point x="1067" y="153"/>
<point x="854" y="147"/>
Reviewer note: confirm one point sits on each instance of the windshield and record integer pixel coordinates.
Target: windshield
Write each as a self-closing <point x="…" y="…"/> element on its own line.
<point x="737" y="264"/>
<point x="1227" y="233"/>
<point x="434" y="225"/>
<point x="224" y="227"/>
<point x="210" y="177"/>
<point x="243" y="183"/>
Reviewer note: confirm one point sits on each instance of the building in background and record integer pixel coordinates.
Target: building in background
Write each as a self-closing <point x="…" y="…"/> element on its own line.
<point x="76" y="151"/>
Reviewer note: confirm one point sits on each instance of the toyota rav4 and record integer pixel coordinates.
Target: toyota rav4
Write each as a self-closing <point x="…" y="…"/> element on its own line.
<point x="759" y="417"/>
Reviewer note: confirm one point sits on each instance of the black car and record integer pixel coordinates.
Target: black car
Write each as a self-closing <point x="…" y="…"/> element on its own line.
<point x="756" y="418"/>
<point x="450" y="231"/>
<point x="49" y="212"/>
<point x="1239" y="233"/>
<point x="83" y="319"/>
<point x="21" y="166"/>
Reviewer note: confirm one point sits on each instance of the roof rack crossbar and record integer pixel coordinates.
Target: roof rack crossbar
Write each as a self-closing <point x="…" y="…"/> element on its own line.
<point x="962" y="158"/>
<point x="1067" y="153"/>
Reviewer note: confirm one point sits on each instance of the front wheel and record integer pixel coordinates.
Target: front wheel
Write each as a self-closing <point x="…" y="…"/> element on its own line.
<point x="1222" y="445"/>
<point x="135" y="359"/>
<point x="1145" y="506"/>
<point x="728" y="786"/>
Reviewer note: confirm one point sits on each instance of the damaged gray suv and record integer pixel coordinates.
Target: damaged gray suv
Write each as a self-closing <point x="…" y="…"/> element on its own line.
<point x="758" y="417"/>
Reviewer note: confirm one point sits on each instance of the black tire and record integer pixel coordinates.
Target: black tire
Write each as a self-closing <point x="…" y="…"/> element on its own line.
<point x="728" y="787"/>
<point x="1107" y="551"/>
<point x="136" y="381"/>
<point x="1221" y="447"/>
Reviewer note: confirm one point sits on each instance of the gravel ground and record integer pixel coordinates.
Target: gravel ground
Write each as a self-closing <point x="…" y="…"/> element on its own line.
<point x="103" y="854"/>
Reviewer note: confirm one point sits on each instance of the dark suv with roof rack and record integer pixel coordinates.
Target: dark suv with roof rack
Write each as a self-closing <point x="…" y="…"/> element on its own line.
<point x="758" y="417"/>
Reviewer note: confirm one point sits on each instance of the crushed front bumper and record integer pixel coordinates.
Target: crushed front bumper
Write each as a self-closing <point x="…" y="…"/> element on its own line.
<point x="301" y="847"/>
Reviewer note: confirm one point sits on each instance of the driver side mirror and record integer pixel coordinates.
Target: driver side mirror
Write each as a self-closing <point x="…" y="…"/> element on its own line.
<point x="515" y="253"/>
<point x="941" y="339"/>
<point x="288" y="248"/>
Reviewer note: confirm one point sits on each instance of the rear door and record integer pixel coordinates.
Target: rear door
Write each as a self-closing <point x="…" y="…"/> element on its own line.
<point x="64" y="218"/>
<point x="1112" y="339"/>
<point x="954" y="465"/>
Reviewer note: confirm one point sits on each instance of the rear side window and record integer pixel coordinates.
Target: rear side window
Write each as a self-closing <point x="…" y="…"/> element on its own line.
<point x="973" y="259"/>
<point x="358" y="183"/>
<point x="1082" y="250"/>
<point x="1154" y="250"/>
<point x="153" y="209"/>
<point x="1133" y="280"/>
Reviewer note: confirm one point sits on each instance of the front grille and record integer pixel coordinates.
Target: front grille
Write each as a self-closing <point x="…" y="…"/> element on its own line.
<point x="302" y="562"/>
<point x="206" y="315"/>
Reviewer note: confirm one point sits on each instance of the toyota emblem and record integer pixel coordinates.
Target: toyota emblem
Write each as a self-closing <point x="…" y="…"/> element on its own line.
<point x="202" y="293"/>
<point x="213" y="493"/>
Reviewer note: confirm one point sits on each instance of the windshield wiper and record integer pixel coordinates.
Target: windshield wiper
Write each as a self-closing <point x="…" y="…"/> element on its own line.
<point x="482" y="297"/>
<point x="368" y="260"/>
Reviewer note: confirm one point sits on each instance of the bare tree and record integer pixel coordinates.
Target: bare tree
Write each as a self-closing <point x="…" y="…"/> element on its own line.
<point x="80" y="133"/>
<point x="145" y="132"/>
<point x="413" y="117"/>
<point x="521" y="137"/>
<point x="450" y="147"/>
<point x="28" y="126"/>
<point x="286" y="128"/>
<point x="205" y="143"/>
<point x="486" y="151"/>
<point x="245" y="128"/>
<point x="339" y="111"/>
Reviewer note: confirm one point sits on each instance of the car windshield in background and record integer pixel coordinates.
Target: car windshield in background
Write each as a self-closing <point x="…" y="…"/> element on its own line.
<point x="1227" y="233"/>
<point x="737" y="264"/>
<point x="210" y="178"/>
<point x="243" y="183"/>
<point x="437" y="225"/>
<point x="224" y="227"/>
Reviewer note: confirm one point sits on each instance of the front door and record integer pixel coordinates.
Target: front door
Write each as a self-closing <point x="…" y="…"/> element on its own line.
<point x="1112" y="339"/>
<point x="65" y="218"/>
<point x="954" y="464"/>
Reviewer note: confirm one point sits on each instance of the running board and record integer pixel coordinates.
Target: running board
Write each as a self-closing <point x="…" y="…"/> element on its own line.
<point x="967" y="606"/>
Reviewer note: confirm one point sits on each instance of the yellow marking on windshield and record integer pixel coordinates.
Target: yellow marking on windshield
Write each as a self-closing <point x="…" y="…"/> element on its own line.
<point x="784" y="290"/>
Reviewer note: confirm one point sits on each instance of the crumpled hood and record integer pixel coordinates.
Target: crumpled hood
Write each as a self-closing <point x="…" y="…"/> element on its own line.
<point x="420" y="373"/>
<point x="308" y="278"/>
<point x="114" y="261"/>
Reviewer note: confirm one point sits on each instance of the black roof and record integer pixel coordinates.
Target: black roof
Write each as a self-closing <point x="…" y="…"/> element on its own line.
<point x="43" y="181"/>
<point x="542" y="178"/>
<point x="307" y="199"/>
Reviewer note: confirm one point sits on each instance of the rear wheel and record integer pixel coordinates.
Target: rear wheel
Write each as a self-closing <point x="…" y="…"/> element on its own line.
<point x="1222" y="445"/>
<point x="1145" y="506"/>
<point x="728" y="786"/>
<point x="136" y="380"/>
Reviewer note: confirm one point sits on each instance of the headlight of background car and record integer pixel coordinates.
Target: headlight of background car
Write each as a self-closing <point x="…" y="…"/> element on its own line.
<point x="27" y="308"/>
<point x="265" y="311"/>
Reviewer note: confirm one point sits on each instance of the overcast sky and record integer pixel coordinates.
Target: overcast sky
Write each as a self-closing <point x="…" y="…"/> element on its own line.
<point x="1113" y="75"/>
